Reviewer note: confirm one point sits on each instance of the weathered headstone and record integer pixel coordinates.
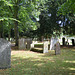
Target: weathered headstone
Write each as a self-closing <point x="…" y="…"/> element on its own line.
<point x="5" y="54"/>
<point x="29" y="41"/>
<point x="57" y="49"/>
<point x="45" y="47"/>
<point x="32" y="45"/>
<point x="53" y="43"/>
<point x="22" y="44"/>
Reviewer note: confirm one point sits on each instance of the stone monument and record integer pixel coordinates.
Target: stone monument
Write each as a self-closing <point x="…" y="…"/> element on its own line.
<point x="45" y="47"/>
<point x="57" y="49"/>
<point x="5" y="54"/>
<point x="29" y="41"/>
<point x="54" y="45"/>
<point x="22" y="44"/>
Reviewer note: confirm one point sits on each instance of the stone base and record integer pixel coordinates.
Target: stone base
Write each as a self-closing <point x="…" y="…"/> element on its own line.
<point x="5" y="67"/>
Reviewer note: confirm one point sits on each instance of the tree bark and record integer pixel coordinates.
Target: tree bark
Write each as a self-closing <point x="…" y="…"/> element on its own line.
<point x="73" y="42"/>
<point x="1" y="30"/>
<point x="16" y="25"/>
<point x="63" y="41"/>
<point x="16" y="34"/>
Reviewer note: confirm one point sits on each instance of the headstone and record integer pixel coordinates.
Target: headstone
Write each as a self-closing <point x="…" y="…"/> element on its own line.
<point x="57" y="49"/>
<point x="32" y="45"/>
<point x="45" y="47"/>
<point x="53" y="43"/>
<point x="29" y="41"/>
<point x="25" y="43"/>
<point x="22" y="44"/>
<point x="5" y="54"/>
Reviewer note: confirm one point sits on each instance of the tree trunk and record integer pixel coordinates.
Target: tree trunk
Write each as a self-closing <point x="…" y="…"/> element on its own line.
<point x="73" y="42"/>
<point x="9" y="32"/>
<point x="63" y="41"/>
<point x="16" y="34"/>
<point x="1" y="30"/>
<point x="9" y="37"/>
<point x="16" y="25"/>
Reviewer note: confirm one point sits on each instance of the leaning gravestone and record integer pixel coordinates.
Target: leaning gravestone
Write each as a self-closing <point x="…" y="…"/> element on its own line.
<point x="22" y="44"/>
<point x="45" y="47"/>
<point x="5" y="54"/>
<point x="57" y="49"/>
<point x="54" y="45"/>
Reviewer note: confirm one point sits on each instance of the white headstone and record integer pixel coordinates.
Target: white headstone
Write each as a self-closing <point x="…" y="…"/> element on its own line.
<point x="53" y="43"/>
<point x="45" y="47"/>
<point x="32" y="45"/>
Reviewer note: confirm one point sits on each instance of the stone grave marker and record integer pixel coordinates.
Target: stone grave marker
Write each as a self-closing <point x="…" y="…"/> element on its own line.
<point x="53" y="43"/>
<point x="32" y="45"/>
<point x="22" y="44"/>
<point x="57" y="49"/>
<point x="29" y="41"/>
<point x="45" y="47"/>
<point x="5" y="54"/>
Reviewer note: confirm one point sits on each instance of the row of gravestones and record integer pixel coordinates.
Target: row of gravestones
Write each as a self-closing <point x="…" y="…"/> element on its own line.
<point x="5" y="49"/>
<point x="27" y="44"/>
<point x="24" y="43"/>
<point x="56" y="47"/>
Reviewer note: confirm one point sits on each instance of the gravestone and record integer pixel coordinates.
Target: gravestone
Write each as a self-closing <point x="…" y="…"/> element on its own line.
<point x="5" y="54"/>
<point x="53" y="43"/>
<point x="22" y="44"/>
<point x="57" y="49"/>
<point x="32" y="45"/>
<point x="45" y="47"/>
<point x="29" y="41"/>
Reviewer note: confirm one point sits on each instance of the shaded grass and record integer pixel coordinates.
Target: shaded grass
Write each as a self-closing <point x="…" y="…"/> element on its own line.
<point x="33" y="63"/>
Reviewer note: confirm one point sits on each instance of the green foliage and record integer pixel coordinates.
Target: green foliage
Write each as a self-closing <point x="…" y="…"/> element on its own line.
<point x="68" y="10"/>
<point x="48" y="20"/>
<point x="68" y="7"/>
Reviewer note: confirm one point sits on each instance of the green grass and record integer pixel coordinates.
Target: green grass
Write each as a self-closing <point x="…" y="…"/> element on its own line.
<point x="33" y="63"/>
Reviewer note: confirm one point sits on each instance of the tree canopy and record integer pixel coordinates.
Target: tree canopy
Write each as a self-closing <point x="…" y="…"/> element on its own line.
<point x="36" y="18"/>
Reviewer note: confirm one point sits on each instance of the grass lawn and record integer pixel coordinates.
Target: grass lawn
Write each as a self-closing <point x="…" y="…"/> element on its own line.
<point x="33" y="63"/>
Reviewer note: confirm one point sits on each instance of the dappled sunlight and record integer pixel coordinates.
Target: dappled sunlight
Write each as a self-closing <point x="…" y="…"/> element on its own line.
<point x="71" y="69"/>
<point x="40" y="64"/>
<point x="69" y="61"/>
<point x="32" y="63"/>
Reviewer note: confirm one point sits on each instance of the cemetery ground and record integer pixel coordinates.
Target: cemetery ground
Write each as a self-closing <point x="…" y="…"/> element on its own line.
<point x="25" y="62"/>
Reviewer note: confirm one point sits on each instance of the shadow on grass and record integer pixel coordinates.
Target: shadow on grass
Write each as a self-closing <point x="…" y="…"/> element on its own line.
<point x="38" y="50"/>
<point x="41" y="64"/>
<point x="35" y="66"/>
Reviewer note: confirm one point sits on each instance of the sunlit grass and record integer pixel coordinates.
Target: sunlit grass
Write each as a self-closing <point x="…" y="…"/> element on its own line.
<point x="33" y="63"/>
